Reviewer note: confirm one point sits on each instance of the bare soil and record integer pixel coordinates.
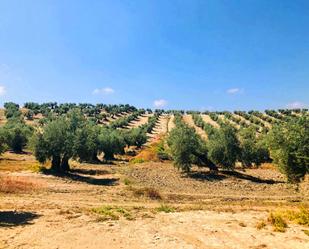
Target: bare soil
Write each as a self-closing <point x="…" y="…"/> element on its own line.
<point x="206" y="211"/>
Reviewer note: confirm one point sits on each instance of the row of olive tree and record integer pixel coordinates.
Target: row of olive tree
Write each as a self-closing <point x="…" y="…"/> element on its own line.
<point x="287" y="144"/>
<point x="74" y="136"/>
<point x="223" y="148"/>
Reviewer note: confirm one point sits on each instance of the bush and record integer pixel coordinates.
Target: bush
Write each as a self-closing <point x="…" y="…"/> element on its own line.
<point x="277" y="222"/>
<point x="289" y="148"/>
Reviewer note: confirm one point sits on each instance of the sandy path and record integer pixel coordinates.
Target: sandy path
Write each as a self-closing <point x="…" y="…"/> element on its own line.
<point x="208" y="120"/>
<point x="189" y="120"/>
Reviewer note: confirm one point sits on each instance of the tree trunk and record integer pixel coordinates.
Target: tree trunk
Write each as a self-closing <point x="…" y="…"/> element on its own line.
<point x="65" y="164"/>
<point x="109" y="156"/>
<point x="213" y="168"/>
<point x="95" y="158"/>
<point x="55" y="164"/>
<point x="206" y="162"/>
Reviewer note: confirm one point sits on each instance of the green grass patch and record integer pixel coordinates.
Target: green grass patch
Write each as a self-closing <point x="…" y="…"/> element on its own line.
<point x="165" y="208"/>
<point x="127" y="181"/>
<point x="112" y="213"/>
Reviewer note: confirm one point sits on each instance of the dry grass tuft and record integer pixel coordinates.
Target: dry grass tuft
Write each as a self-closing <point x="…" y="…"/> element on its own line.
<point x="278" y="223"/>
<point x="147" y="192"/>
<point x="152" y="153"/>
<point x="300" y="217"/>
<point x="18" y="184"/>
<point x="260" y="225"/>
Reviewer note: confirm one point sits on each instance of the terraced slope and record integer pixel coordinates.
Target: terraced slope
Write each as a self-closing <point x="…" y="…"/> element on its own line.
<point x="208" y="120"/>
<point x="189" y="121"/>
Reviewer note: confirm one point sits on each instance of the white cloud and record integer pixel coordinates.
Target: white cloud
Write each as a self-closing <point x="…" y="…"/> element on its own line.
<point x="296" y="105"/>
<point x="159" y="103"/>
<point x="104" y="91"/>
<point x="234" y="91"/>
<point x="2" y="90"/>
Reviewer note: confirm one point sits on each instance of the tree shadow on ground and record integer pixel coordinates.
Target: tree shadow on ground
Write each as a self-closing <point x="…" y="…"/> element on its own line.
<point x="13" y="218"/>
<point x="249" y="177"/>
<point x="206" y="176"/>
<point x="90" y="171"/>
<point x="91" y="180"/>
<point x="86" y="179"/>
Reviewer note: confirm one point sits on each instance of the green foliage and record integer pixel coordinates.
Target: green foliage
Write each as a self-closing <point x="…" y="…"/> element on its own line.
<point x="165" y="208"/>
<point x="12" y="110"/>
<point x="135" y="137"/>
<point x="223" y="147"/>
<point x="199" y="122"/>
<point x="289" y="148"/>
<point x="55" y="143"/>
<point x="86" y="143"/>
<point x="3" y="140"/>
<point x="253" y="149"/>
<point x="183" y="143"/>
<point x="16" y="134"/>
<point x="111" y="142"/>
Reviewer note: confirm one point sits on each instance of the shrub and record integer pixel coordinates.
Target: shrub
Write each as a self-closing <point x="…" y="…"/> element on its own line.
<point x="277" y="222"/>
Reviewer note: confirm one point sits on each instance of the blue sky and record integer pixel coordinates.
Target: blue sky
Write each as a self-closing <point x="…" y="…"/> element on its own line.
<point x="208" y="54"/>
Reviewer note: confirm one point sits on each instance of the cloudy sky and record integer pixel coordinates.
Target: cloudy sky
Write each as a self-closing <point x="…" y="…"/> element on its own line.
<point x="208" y="54"/>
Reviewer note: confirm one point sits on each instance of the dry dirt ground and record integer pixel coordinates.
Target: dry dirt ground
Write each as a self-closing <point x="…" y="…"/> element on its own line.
<point x="149" y="205"/>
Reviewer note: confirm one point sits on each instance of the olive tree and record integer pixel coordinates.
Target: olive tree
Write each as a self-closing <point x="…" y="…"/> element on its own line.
<point x="3" y="143"/>
<point x="135" y="137"/>
<point x="17" y="134"/>
<point x="86" y="143"/>
<point x="289" y="148"/>
<point x="55" y="143"/>
<point x="223" y="147"/>
<point x="253" y="150"/>
<point x="111" y="142"/>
